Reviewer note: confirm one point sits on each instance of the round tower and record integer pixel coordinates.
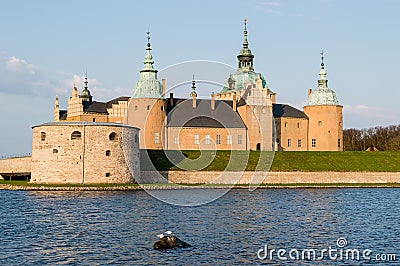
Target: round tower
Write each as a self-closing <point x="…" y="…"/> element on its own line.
<point x="147" y="106"/>
<point x="325" y="125"/>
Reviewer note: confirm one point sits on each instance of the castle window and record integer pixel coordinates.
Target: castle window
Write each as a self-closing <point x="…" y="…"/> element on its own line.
<point x="94" y="119"/>
<point x="148" y="107"/>
<point x="218" y="139"/>
<point x="299" y="143"/>
<point x="108" y="174"/>
<point x="196" y="139"/>
<point x="289" y="142"/>
<point x="176" y="140"/>
<point x="338" y="143"/>
<point x="42" y="136"/>
<point x="240" y="140"/>
<point x="76" y="135"/>
<point x="286" y="124"/>
<point x="112" y="136"/>
<point x="313" y="143"/>
<point x="136" y="138"/>
<point x="136" y="107"/>
<point x="207" y="139"/>
<point x="319" y="123"/>
<point x="278" y="141"/>
<point x="162" y="108"/>
<point x="55" y="151"/>
<point x="229" y="139"/>
<point x="156" y="138"/>
<point x="298" y="125"/>
<point x="108" y="153"/>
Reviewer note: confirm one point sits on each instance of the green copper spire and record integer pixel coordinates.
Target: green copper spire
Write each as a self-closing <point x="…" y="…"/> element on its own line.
<point x="85" y="92"/>
<point x="322" y="95"/>
<point x="148" y="85"/>
<point x="322" y="82"/>
<point x="148" y="62"/>
<point x="245" y="56"/>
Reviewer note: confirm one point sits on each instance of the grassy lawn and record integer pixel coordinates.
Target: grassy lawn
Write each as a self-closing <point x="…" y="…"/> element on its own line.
<point x="282" y="161"/>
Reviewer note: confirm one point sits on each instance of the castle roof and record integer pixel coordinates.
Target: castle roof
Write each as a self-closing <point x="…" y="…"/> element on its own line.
<point x="323" y="95"/>
<point x="148" y="85"/>
<point x="182" y="114"/>
<point x="285" y="110"/>
<point x="101" y="107"/>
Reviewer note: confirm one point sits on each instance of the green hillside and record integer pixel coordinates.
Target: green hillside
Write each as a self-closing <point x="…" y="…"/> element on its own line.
<point x="348" y="161"/>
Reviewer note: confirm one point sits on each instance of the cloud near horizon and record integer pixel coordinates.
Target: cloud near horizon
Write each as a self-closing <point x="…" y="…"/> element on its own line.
<point x="19" y="77"/>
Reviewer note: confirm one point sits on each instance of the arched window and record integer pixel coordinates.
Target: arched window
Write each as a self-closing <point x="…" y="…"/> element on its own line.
<point x="298" y="125"/>
<point x="286" y="124"/>
<point x="112" y="136"/>
<point x="76" y="135"/>
<point x="42" y="136"/>
<point x="148" y="107"/>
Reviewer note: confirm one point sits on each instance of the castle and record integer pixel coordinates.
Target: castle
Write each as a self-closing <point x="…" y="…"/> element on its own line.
<point x="244" y="115"/>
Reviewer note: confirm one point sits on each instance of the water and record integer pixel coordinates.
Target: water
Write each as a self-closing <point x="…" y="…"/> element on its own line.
<point x="120" y="228"/>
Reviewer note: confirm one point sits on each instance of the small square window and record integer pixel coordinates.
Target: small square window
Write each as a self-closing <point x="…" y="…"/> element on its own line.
<point x="108" y="174"/>
<point x="108" y="153"/>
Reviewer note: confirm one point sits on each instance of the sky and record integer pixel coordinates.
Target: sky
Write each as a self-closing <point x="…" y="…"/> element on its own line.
<point x="47" y="46"/>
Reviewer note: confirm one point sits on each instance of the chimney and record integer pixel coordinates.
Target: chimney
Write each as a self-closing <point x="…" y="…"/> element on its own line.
<point x="212" y="101"/>
<point x="171" y="99"/>
<point x="309" y="91"/>
<point x="163" y="86"/>
<point x="194" y="97"/>
<point x="234" y="102"/>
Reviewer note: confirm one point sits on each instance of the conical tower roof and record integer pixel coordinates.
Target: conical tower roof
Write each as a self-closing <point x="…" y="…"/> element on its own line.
<point x="322" y="95"/>
<point x="148" y="85"/>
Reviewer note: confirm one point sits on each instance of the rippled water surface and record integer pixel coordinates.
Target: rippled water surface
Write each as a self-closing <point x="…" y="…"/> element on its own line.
<point x="100" y="228"/>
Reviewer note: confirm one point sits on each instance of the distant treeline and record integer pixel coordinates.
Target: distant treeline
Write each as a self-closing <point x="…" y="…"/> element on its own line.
<point x="382" y="138"/>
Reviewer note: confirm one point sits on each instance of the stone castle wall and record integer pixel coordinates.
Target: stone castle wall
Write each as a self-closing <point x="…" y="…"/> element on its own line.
<point x="216" y="177"/>
<point x="84" y="153"/>
<point x="15" y="165"/>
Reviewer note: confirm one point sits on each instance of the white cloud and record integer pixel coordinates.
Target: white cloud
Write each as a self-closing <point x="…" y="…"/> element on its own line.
<point x="270" y="3"/>
<point x="271" y="7"/>
<point x="361" y="115"/>
<point x="19" y="65"/>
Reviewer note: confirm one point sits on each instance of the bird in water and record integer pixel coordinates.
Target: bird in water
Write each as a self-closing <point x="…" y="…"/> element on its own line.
<point x="169" y="241"/>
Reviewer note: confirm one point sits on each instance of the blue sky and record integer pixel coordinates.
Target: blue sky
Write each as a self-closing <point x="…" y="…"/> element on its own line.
<point x="46" y="46"/>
